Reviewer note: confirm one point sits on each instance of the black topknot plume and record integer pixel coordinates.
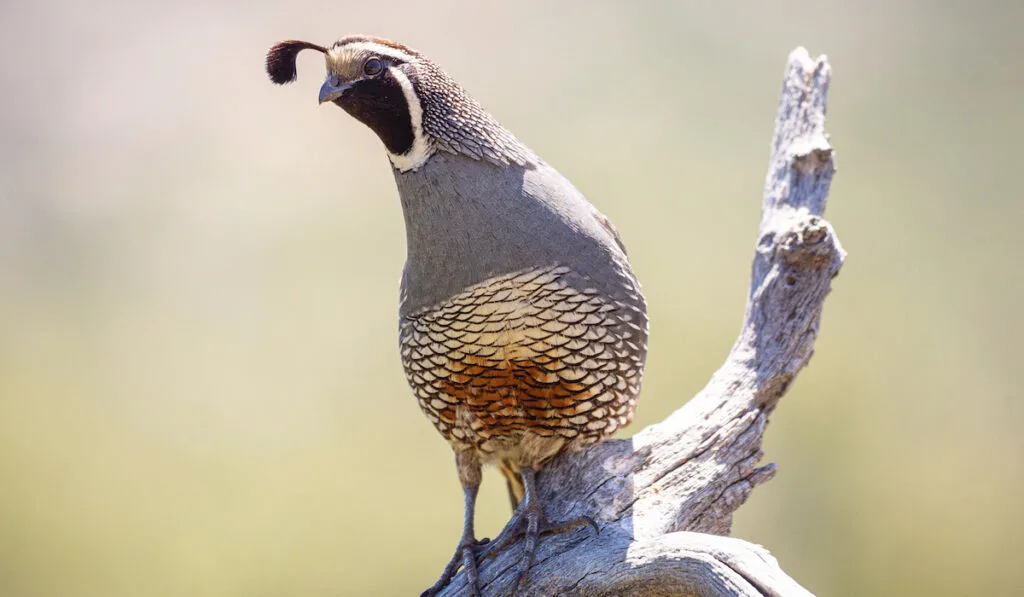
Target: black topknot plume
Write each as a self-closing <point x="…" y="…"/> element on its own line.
<point x="281" y="59"/>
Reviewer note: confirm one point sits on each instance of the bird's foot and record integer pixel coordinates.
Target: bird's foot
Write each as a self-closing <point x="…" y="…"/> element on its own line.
<point x="466" y="554"/>
<point x="530" y="522"/>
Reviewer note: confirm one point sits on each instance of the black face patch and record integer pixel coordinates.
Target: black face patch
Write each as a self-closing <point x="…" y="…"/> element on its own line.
<point x="380" y="104"/>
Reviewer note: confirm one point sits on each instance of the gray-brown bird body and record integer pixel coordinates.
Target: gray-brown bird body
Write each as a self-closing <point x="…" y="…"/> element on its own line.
<point x="522" y="329"/>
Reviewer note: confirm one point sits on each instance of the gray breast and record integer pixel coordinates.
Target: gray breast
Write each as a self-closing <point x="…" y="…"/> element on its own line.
<point x="469" y="220"/>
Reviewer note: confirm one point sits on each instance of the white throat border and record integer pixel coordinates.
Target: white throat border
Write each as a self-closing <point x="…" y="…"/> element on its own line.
<point x="421" y="148"/>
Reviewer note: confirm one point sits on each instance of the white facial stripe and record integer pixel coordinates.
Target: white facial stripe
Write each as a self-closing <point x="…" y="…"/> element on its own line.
<point x="421" y="149"/>
<point x="374" y="48"/>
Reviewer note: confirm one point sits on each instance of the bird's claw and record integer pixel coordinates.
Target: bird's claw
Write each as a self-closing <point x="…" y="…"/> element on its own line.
<point x="516" y="529"/>
<point x="467" y="552"/>
<point x="530" y="523"/>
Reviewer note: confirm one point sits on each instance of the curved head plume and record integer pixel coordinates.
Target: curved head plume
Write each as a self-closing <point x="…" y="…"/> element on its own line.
<point x="281" y="59"/>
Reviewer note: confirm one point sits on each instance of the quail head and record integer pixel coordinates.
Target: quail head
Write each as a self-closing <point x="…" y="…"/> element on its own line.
<point x="522" y="329"/>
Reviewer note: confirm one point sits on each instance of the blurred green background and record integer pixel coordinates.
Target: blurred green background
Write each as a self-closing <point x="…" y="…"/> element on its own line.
<point x="200" y="391"/>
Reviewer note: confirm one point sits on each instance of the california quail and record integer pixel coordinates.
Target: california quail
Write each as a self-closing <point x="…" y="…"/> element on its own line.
<point x="522" y="329"/>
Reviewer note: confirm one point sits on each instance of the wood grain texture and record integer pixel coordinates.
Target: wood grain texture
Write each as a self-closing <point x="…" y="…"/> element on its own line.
<point x="664" y="498"/>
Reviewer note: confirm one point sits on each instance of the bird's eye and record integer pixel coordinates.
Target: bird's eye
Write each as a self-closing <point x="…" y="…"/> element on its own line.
<point x="373" y="67"/>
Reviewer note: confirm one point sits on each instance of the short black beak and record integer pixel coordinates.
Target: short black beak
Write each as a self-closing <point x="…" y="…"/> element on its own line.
<point x="332" y="89"/>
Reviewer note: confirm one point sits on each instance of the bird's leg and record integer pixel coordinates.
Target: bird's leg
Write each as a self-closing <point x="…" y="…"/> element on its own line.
<point x="529" y="521"/>
<point x="467" y="550"/>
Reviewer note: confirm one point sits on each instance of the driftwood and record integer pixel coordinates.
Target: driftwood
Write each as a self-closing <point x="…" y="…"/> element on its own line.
<point x="664" y="499"/>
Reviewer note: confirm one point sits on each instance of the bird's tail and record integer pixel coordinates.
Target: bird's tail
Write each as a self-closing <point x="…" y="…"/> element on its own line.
<point x="514" y="480"/>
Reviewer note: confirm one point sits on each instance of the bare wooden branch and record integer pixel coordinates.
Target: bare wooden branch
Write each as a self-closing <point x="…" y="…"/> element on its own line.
<point x="664" y="498"/>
